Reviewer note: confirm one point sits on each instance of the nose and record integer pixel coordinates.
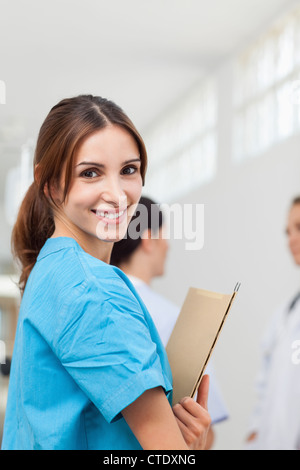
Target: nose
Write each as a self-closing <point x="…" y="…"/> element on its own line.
<point x="113" y="193"/>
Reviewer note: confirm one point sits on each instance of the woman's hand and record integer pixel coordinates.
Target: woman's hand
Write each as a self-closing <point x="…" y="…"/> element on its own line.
<point x="193" y="418"/>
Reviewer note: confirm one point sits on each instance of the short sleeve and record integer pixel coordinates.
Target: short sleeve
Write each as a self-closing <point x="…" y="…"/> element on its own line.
<point x="104" y="342"/>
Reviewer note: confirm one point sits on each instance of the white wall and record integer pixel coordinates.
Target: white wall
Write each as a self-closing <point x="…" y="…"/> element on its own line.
<point x="245" y="216"/>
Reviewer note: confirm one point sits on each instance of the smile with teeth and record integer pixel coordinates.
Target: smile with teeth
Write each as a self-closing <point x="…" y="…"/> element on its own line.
<point x="110" y="216"/>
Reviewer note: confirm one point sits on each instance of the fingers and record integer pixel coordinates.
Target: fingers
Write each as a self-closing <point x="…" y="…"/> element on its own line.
<point x="189" y="412"/>
<point x="190" y="405"/>
<point x="193" y="418"/>
<point x="203" y="390"/>
<point x="193" y="421"/>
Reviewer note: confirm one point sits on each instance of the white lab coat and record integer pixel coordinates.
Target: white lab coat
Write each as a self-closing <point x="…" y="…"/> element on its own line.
<point x="164" y="314"/>
<point x="276" y="417"/>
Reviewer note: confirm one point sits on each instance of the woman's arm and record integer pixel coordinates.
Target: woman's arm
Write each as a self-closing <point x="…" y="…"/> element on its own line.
<point x="157" y="426"/>
<point x="153" y="423"/>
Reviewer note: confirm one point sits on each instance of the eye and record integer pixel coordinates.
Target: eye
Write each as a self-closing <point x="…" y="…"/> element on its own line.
<point x="89" y="173"/>
<point x="129" y="170"/>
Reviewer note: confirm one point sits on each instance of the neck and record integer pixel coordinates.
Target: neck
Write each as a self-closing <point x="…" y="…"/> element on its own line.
<point x="141" y="271"/>
<point x="90" y="244"/>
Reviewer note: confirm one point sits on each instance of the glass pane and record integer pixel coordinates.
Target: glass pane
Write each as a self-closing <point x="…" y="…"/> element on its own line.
<point x="171" y="143"/>
<point x="251" y="138"/>
<point x="253" y="74"/>
<point x="285" y="61"/>
<point x="266" y="121"/>
<point x="266" y="64"/>
<point x="285" y="111"/>
<point x="297" y="37"/>
<point x="239" y="79"/>
<point x="239" y="138"/>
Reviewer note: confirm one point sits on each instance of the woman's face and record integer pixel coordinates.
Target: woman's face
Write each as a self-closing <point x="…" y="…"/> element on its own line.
<point x="106" y="185"/>
<point x="293" y="232"/>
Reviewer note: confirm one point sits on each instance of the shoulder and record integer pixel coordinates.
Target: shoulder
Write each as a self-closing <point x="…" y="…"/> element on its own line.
<point x="67" y="270"/>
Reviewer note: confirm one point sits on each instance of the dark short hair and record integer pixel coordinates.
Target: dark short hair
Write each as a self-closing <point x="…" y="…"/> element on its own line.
<point x="150" y="218"/>
<point x="296" y="200"/>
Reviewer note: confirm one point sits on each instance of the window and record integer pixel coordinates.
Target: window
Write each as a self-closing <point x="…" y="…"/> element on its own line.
<point x="182" y="146"/>
<point x="266" y="89"/>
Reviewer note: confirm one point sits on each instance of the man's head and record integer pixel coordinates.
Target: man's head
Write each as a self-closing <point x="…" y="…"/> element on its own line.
<point x="144" y="241"/>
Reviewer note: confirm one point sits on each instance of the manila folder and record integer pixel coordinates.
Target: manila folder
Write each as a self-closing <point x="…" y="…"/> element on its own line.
<point x="194" y="336"/>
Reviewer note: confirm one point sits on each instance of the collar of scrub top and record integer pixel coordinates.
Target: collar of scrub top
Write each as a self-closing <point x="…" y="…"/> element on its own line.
<point x="136" y="281"/>
<point x="294" y="302"/>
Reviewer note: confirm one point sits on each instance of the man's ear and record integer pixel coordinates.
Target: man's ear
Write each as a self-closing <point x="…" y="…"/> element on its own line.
<point x="146" y="241"/>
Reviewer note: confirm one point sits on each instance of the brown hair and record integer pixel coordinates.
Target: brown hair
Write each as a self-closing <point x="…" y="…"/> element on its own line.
<point x="66" y="126"/>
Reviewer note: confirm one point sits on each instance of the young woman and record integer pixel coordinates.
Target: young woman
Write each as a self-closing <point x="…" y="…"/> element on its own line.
<point x="89" y="370"/>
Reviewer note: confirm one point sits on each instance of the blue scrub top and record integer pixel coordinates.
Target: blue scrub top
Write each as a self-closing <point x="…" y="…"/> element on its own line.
<point x="85" y="348"/>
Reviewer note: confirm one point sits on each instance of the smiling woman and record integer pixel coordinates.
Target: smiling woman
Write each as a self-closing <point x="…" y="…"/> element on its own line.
<point x="89" y="370"/>
<point x="61" y="139"/>
<point x="104" y="192"/>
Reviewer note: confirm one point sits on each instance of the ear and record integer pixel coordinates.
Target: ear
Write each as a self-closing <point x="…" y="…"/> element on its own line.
<point x="37" y="178"/>
<point x="50" y="191"/>
<point x="37" y="174"/>
<point x="146" y="241"/>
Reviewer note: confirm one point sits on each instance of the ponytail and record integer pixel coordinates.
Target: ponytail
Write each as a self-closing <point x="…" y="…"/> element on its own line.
<point x="33" y="226"/>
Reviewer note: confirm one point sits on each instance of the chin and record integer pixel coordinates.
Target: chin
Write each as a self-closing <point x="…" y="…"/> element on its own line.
<point x="160" y="273"/>
<point x="297" y="259"/>
<point x="110" y="239"/>
<point x="114" y="234"/>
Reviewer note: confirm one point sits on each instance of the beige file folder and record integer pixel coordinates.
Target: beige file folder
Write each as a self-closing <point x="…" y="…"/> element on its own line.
<point x="194" y="336"/>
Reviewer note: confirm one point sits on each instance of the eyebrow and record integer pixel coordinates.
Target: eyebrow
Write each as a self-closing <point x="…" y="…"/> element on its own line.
<point x="100" y="165"/>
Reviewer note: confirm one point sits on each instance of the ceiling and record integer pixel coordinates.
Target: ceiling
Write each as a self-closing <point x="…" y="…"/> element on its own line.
<point x="142" y="54"/>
